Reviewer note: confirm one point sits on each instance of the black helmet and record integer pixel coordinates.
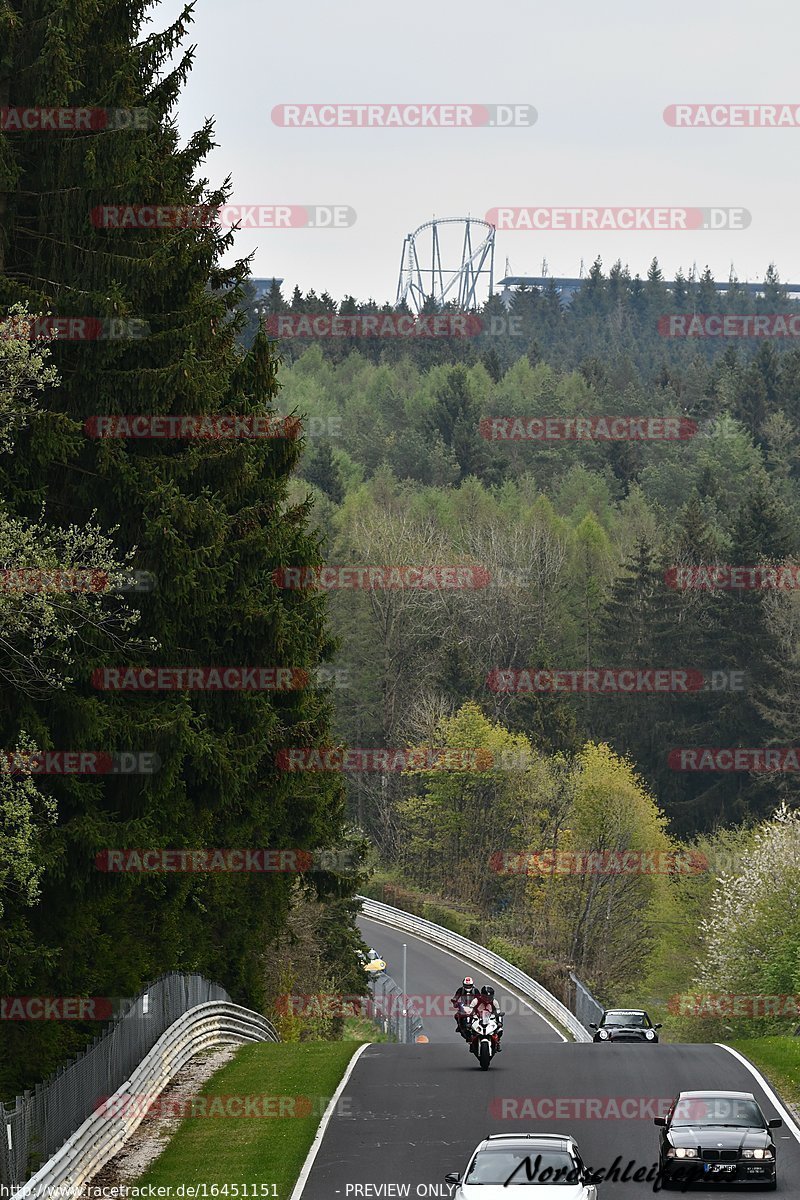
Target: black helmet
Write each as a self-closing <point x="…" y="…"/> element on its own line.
<point x="488" y="991"/>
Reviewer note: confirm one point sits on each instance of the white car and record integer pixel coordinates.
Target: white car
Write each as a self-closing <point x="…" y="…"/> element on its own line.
<point x="549" y="1162"/>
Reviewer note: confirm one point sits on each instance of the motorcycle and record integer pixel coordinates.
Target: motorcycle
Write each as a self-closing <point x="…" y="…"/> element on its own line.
<point x="484" y="1038"/>
<point x="463" y="1017"/>
<point x="371" y="961"/>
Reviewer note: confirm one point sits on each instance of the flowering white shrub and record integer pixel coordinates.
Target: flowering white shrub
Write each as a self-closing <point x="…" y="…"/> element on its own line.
<point x="752" y="931"/>
<point x="42" y="629"/>
<point x="24" y="812"/>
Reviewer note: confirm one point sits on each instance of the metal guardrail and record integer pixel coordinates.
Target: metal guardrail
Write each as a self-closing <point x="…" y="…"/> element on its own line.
<point x="41" y="1120"/>
<point x="447" y="940"/>
<point x="205" y="1027"/>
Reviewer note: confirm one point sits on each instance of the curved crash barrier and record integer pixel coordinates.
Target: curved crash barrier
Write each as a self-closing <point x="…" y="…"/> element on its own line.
<point x="205" y="1027"/>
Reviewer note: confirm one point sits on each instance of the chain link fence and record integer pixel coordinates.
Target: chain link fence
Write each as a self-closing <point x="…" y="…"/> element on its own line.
<point x="584" y="1005"/>
<point x="41" y="1120"/>
<point x="390" y="1011"/>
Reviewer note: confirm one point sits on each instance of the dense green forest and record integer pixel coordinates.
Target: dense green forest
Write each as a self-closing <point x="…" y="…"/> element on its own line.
<point x="582" y="540"/>
<point x="579" y="536"/>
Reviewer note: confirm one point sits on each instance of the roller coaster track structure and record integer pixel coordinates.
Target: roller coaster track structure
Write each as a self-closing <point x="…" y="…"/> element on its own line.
<point x="440" y="282"/>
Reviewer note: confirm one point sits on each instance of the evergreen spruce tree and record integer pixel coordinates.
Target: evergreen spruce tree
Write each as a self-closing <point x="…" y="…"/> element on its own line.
<point x="324" y="473"/>
<point x="209" y="518"/>
<point x="762" y="535"/>
<point x="689" y="633"/>
<point x="707" y="298"/>
<point x="630" y="629"/>
<point x="455" y="417"/>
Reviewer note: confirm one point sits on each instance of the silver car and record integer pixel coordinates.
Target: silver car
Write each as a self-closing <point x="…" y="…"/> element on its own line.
<point x="549" y="1162"/>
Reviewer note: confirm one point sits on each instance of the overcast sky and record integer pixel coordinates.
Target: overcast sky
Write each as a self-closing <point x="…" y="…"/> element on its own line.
<point x="599" y="76"/>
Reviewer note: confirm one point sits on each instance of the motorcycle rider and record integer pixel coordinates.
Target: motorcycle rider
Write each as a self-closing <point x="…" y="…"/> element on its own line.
<point x="464" y="1001"/>
<point x="486" y="1003"/>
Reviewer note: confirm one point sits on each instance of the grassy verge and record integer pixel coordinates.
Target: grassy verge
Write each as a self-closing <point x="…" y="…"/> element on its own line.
<point x="360" y="1029"/>
<point x="778" y="1058"/>
<point x="257" y="1150"/>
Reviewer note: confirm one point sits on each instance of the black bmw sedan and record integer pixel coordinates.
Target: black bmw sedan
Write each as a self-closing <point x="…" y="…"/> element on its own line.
<point x="625" y="1025"/>
<point x="715" y="1137"/>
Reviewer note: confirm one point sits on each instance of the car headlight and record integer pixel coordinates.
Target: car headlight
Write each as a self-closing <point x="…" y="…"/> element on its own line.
<point x="602" y="1033"/>
<point x="681" y="1152"/>
<point x="757" y="1154"/>
<point x="649" y="1034"/>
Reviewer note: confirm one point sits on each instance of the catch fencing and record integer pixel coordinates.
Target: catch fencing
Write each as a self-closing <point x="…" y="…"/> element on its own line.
<point x="43" y="1119"/>
<point x="391" y="1011"/>
<point x="586" y="1008"/>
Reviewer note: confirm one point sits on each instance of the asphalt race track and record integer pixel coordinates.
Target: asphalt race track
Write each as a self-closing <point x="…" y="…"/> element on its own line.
<point x="409" y="1114"/>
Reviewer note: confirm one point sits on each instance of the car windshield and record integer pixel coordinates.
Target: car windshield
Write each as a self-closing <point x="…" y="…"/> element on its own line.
<point x="618" y="1017"/>
<point x="529" y="1166"/>
<point x="718" y="1110"/>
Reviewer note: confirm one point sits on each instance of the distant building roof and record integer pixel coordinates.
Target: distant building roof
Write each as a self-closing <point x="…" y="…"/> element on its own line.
<point x="572" y="285"/>
<point x="538" y="281"/>
<point x="264" y="286"/>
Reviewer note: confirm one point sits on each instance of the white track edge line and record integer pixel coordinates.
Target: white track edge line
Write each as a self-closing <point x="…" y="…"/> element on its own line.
<point x="765" y="1087"/>
<point x="465" y="958"/>
<point x="314" y="1148"/>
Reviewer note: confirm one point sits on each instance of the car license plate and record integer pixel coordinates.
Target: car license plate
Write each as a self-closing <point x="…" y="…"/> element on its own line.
<point x="719" y="1168"/>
